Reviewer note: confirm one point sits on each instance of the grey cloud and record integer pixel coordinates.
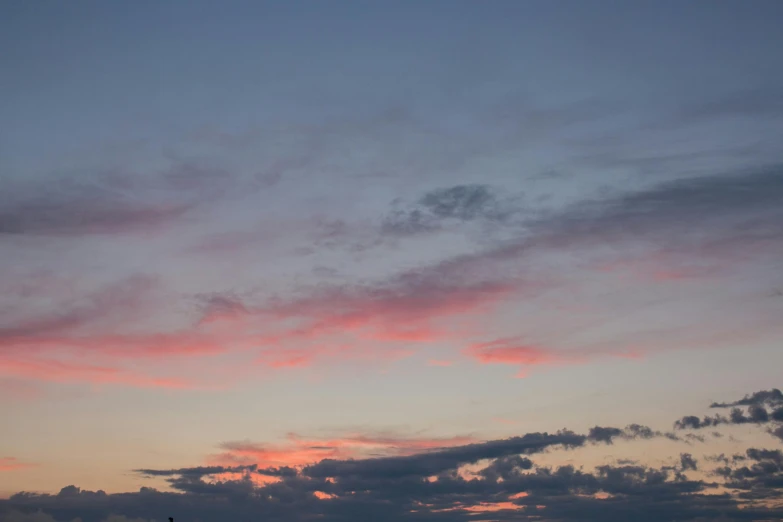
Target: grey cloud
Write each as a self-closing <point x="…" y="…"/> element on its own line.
<point x="600" y="434"/>
<point x="123" y="298"/>
<point x="755" y="412"/>
<point x="214" y="305"/>
<point x="771" y="397"/>
<point x="565" y="493"/>
<point x="198" y="471"/>
<point x="464" y="202"/>
<point x="707" y="210"/>
<point x="688" y="462"/>
<point x="760" y="477"/>
<point x="436" y="208"/>
<point x="694" y="422"/>
<point x="711" y="215"/>
<point x="427" y="464"/>
<point x="112" y="203"/>
<point x="506" y="468"/>
<point x="642" y="432"/>
<point x="84" y="216"/>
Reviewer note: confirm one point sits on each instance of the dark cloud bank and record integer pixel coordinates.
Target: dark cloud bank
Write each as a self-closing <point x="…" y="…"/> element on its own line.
<point x="429" y="485"/>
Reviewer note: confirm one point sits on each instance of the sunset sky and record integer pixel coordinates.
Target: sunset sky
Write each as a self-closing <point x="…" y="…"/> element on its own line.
<point x="395" y="260"/>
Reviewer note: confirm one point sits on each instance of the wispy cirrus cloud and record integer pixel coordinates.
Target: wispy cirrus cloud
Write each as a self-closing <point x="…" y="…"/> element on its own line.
<point x="50" y="338"/>
<point x="283" y="333"/>
<point x="445" y="301"/>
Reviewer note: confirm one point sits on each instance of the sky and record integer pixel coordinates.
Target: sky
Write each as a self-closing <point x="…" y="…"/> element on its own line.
<point x="426" y="261"/>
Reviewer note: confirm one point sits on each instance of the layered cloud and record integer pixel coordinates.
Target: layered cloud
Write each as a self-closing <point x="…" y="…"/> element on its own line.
<point x="673" y="231"/>
<point x="449" y="479"/>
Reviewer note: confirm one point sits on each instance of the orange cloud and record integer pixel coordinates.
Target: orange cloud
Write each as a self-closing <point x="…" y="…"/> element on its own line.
<point x="489" y="507"/>
<point x="12" y="464"/>
<point x="299" y="451"/>
<point x="481" y="507"/>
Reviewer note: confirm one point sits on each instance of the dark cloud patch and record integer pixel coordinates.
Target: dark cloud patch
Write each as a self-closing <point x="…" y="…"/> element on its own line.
<point x="440" y="207"/>
<point x="215" y="305"/>
<point x="695" y="423"/>
<point x="641" y="432"/>
<point x="687" y="462"/>
<point x="600" y="434"/>
<point x="198" y="471"/>
<point x="464" y="202"/>
<point x="771" y="397"/>
<point x="752" y="409"/>
<point x="755" y="414"/>
<point x="506" y="468"/>
<point x="760" y="476"/>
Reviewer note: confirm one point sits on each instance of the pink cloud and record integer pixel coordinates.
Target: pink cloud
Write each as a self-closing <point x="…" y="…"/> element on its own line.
<point x="58" y="371"/>
<point x="410" y="314"/>
<point x="342" y="323"/>
<point x="514" y="352"/>
<point x="661" y="266"/>
<point x="437" y="362"/>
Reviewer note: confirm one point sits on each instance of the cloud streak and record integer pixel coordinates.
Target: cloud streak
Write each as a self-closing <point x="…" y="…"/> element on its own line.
<point x="108" y="204"/>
